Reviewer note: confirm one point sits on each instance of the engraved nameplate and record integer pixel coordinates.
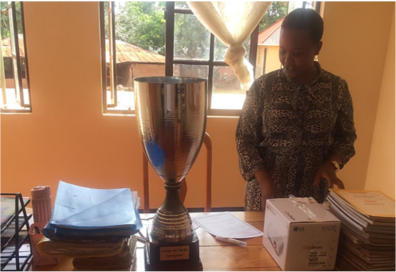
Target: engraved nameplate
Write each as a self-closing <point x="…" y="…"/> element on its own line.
<point x="174" y="253"/>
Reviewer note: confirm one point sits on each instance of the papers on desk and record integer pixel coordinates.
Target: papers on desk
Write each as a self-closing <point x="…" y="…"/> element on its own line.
<point x="85" y="213"/>
<point x="227" y="225"/>
<point x="369" y="214"/>
<point x="367" y="239"/>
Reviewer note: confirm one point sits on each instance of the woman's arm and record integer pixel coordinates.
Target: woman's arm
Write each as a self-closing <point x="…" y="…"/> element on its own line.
<point x="345" y="132"/>
<point x="248" y="138"/>
<point x="268" y="187"/>
<point x="248" y="132"/>
<point x="344" y="138"/>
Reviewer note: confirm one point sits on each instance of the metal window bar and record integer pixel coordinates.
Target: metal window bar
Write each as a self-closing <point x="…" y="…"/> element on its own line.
<point x="103" y="54"/>
<point x="109" y="11"/>
<point x="14" y="41"/>
<point x="3" y="80"/>
<point x="26" y="57"/>
<point x="169" y="37"/>
<point x="112" y="55"/>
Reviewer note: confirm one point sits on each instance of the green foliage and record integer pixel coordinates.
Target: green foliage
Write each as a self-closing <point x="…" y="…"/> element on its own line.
<point x="277" y="11"/>
<point x="192" y="39"/>
<point x="142" y="24"/>
<point x="5" y="24"/>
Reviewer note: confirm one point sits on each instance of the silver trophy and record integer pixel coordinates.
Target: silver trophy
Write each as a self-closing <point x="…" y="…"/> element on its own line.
<point x="171" y="115"/>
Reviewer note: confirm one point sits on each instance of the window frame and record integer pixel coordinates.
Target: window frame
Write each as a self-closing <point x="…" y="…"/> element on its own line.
<point x="27" y="108"/>
<point x="211" y="63"/>
<point x="169" y="16"/>
<point x="112" y="58"/>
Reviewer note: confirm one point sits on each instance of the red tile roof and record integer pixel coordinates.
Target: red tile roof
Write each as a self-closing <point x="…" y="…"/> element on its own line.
<point x="7" y="46"/>
<point x="269" y="31"/>
<point x="125" y="52"/>
<point x="130" y="53"/>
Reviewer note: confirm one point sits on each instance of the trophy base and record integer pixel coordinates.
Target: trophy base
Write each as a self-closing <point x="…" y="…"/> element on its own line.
<point x="172" y="256"/>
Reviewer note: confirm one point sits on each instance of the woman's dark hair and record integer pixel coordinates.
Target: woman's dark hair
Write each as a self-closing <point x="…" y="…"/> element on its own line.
<point x="305" y="19"/>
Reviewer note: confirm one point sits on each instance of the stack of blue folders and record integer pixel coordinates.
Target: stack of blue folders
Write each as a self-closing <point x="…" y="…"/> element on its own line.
<point x="82" y="213"/>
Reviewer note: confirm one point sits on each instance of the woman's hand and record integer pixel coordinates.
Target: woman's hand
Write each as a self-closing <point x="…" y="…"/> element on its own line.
<point x="268" y="187"/>
<point x="327" y="172"/>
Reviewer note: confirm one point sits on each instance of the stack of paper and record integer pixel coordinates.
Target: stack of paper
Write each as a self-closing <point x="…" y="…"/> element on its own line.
<point x="122" y="261"/>
<point x="367" y="240"/>
<point x="83" y="248"/>
<point x="85" y="213"/>
<point x="92" y="224"/>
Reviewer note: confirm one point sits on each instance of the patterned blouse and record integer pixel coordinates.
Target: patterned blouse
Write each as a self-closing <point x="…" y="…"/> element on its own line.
<point x="291" y="129"/>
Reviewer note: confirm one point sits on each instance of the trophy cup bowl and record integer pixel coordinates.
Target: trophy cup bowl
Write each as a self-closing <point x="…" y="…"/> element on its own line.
<point x="171" y="116"/>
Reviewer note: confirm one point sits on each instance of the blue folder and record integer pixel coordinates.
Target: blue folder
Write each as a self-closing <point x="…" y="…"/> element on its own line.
<point x="86" y="213"/>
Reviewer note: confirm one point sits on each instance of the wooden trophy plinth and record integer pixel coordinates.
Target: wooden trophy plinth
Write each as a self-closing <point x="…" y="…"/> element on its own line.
<point x="166" y="256"/>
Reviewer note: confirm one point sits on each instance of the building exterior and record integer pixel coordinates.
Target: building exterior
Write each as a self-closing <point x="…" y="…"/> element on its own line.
<point x="267" y="49"/>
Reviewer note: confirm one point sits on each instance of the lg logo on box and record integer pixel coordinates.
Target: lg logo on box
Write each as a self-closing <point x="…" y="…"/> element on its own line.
<point x="299" y="229"/>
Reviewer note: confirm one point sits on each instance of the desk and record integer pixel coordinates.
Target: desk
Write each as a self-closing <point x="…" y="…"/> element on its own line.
<point x="215" y="255"/>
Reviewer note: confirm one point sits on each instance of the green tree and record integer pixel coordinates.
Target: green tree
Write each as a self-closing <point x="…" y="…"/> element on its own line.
<point x="142" y="23"/>
<point x="276" y="11"/>
<point x="5" y="24"/>
<point x="191" y="38"/>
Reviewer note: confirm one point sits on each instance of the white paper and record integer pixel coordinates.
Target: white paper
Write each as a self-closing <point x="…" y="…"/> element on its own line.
<point x="88" y="208"/>
<point x="194" y="226"/>
<point x="226" y="225"/>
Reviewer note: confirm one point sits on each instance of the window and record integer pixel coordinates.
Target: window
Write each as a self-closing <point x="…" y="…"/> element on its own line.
<point x="145" y="38"/>
<point x="194" y="51"/>
<point x="15" y="95"/>
<point x="133" y="36"/>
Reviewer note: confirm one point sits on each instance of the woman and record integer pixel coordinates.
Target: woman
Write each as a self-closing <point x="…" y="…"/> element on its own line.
<point x="296" y="129"/>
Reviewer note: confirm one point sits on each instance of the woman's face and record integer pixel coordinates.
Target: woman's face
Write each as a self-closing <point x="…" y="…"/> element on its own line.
<point x="296" y="53"/>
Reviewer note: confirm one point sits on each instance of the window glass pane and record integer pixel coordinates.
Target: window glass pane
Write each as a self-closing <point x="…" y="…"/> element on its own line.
<point x="181" y="5"/>
<point x="192" y="39"/>
<point x="300" y="4"/>
<point x="140" y="48"/>
<point x="276" y="11"/>
<point x="26" y="95"/>
<point x="227" y="92"/>
<point x="220" y="49"/>
<point x="106" y="18"/>
<point x="184" y="70"/>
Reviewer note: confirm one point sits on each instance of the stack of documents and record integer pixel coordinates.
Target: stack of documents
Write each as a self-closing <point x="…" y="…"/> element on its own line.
<point x="122" y="261"/>
<point x="92" y="223"/>
<point x="367" y="239"/>
<point x="82" y="248"/>
<point x="85" y="213"/>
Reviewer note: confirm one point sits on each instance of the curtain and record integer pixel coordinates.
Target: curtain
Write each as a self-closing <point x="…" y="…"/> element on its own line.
<point x="232" y="22"/>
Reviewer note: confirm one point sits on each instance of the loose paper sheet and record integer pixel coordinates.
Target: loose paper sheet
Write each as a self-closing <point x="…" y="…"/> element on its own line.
<point x="227" y="225"/>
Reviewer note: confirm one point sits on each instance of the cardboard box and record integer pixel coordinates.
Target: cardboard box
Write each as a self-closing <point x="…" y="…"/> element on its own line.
<point x="300" y="234"/>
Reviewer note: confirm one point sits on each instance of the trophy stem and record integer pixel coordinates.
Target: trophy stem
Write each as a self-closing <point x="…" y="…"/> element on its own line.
<point x="172" y="200"/>
<point x="172" y="223"/>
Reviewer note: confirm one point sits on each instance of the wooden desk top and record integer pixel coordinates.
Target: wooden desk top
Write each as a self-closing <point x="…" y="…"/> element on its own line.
<point x="215" y="255"/>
